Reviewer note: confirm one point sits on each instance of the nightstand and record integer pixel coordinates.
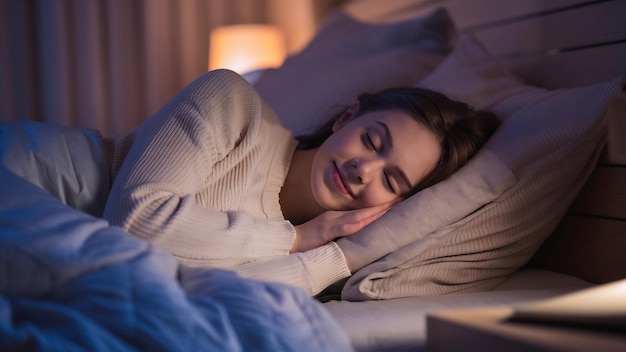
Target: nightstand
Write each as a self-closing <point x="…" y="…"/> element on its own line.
<point x="490" y="330"/>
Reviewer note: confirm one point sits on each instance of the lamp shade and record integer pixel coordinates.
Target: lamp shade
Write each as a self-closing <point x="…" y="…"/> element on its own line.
<point x="246" y="47"/>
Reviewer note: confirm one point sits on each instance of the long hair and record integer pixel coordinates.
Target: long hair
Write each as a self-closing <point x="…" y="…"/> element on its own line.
<point x="460" y="129"/>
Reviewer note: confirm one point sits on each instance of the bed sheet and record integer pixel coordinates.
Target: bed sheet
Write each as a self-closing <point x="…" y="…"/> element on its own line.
<point x="400" y="324"/>
<point x="71" y="282"/>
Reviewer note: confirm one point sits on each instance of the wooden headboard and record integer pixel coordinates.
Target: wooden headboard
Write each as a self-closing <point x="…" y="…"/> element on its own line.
<point x="590" y="242"/>
<point x="553" y="44"/>
<point x="560" y="44"/>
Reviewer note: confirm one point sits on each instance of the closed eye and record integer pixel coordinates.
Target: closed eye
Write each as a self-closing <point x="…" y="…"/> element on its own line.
<point x="387" y="183"/>
<point x="369" y="142"/>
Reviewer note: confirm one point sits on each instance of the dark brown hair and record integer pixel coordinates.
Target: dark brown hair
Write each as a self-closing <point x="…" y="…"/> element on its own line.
<point x="461" y="130"/>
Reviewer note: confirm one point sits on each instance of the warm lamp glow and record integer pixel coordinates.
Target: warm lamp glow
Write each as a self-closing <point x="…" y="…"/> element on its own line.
<point x="247" y="47"/>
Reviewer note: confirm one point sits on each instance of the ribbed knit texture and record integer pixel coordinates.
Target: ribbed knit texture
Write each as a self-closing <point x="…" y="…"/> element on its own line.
<point x="202" y="177"/>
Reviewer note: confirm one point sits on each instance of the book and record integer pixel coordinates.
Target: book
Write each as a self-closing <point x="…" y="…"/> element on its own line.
<point x="602" y="306"/>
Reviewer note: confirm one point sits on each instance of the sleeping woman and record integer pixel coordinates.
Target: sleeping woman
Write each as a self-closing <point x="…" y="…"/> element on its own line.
<point x="215" y="179"/>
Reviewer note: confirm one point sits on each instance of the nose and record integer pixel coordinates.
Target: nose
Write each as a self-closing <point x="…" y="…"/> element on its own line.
<point x="364" y="170"/>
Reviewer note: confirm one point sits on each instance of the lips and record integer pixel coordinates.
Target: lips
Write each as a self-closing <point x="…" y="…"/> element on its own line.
<point x="339" y="181"/>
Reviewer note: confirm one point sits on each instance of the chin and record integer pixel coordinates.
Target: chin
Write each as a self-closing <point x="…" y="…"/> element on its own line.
<point x="325" y="196"/>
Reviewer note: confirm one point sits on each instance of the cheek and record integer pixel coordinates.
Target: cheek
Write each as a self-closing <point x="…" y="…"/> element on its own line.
<point x="341" y="143"/>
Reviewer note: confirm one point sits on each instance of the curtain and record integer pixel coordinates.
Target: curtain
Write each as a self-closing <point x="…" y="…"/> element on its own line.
<point x="105" y="64"/>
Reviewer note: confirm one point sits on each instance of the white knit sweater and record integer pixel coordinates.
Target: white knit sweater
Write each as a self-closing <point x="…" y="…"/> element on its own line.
<point x="202" y="177"/>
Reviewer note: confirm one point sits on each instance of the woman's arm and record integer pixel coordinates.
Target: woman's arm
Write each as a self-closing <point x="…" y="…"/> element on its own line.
<point x="313" y="270"/>
<point x="154" y="193"/>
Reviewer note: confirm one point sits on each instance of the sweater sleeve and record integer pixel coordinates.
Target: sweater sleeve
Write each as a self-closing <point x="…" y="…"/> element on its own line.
<point x="313" y="270"/>
<point x="153" y="195"/>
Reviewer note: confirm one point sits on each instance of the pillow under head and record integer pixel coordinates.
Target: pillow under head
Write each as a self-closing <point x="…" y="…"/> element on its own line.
<point x="470" y="231"/>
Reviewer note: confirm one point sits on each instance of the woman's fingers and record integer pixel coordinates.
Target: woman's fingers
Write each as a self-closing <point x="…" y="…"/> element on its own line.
<point x="359" y="218"/>
<point x="370" y="214"/>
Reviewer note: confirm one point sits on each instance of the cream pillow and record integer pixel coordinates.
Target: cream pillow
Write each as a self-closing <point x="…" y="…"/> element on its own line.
<point x="469" y="232"/>
<point x="347" y="57"/>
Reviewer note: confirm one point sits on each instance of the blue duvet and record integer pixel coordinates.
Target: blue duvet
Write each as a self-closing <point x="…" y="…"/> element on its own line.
<point x="71" y="282"/>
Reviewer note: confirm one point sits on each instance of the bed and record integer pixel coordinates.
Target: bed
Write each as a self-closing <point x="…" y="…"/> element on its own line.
<point x="539" y="212"/>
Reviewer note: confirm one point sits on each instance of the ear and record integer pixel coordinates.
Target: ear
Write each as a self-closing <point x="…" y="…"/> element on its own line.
<point x="346" y="117"/>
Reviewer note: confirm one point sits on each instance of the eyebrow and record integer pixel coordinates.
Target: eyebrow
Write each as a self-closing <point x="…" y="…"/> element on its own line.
<point x="390" y="141"/>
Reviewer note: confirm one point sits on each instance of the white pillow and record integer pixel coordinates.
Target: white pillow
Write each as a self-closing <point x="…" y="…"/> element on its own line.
<point x="347" y="57"/>
<point x="442" y="240"/>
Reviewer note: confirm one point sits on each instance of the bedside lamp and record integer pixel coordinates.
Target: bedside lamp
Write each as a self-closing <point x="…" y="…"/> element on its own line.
<point x="246" y="47"/>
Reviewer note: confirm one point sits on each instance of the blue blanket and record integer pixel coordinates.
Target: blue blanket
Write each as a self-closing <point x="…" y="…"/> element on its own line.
<point x="71" y="282"/>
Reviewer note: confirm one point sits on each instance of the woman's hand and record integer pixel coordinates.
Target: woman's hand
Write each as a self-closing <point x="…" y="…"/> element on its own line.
<point x="334" y="224"/>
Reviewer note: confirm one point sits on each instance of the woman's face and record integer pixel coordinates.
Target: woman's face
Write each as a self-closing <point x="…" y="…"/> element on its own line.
<point x="373" y="159"/>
